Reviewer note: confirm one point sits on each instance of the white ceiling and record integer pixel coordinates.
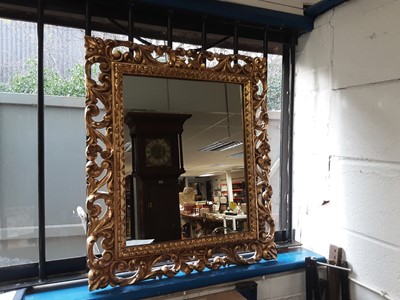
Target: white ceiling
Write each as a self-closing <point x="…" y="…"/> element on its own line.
<point x="212" y="119"/>
<point x="288" y="6"/>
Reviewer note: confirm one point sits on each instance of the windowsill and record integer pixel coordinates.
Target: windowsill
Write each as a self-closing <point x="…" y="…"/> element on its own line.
<point x="288" y="261"/>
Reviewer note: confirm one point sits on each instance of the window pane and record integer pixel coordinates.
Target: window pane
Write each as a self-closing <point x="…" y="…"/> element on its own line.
<point x="18" y="147"/>
<point x="64" y="142"/>
<point x="274" y="101"/>
<point x="274" y="98"/>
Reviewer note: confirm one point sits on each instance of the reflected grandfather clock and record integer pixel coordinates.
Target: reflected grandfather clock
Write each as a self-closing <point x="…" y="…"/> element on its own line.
<point x="157" y="159"/>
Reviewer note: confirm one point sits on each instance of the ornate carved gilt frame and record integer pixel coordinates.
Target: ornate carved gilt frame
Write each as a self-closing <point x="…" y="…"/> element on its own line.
<point x="105" y="164"/>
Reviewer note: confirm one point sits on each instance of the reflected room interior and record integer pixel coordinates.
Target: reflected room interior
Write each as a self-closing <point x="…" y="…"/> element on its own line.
<point x="189" y="182"/>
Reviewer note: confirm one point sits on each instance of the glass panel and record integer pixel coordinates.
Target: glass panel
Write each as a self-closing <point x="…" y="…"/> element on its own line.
<point x="112" y="36"/>
<point x="64" y="142"/>
<point x="18" y="144"/>
<point x="274" y="97"/>
<point x="274" y="102"/>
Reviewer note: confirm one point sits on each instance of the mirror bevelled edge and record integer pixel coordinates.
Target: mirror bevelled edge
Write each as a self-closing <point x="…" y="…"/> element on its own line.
<point x="105" y="202"/>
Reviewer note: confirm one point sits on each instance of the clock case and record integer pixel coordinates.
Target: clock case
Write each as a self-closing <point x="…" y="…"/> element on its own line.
<point x="155" y="190"/>
<point x="168" y="126"/>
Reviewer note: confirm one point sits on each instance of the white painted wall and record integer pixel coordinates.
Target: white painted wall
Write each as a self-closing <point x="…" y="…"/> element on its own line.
<point x="347" y="141"/>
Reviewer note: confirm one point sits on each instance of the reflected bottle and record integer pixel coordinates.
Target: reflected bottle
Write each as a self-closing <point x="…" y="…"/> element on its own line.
<point x="199" y="196"/>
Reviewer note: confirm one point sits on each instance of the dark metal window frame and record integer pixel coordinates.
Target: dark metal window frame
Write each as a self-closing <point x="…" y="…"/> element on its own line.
<point x="286" y="236"/>
<point x="47" y="271"/>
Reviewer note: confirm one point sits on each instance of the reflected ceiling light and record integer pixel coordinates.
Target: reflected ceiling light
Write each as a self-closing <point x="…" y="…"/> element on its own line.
<point x="221" y="146"/>
<point x="238" y="168"/>
<point x="217" y="165"/>
<point x="236" y="155"/>
<point x="207" y="175"/>
<point x="128" y="147"/>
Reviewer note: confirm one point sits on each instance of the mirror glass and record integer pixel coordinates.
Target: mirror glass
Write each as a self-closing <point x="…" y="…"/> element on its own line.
<point x="211" y="192"/>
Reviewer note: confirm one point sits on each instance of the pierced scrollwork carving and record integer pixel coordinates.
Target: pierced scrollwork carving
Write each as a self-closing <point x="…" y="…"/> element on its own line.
<point x="106" y="63"/>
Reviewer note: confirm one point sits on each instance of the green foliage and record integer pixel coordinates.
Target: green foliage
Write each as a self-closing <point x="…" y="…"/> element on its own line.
<point x="4" y="87"/>
<point x="76" y="83"/>
<point x="54" y="83"/>
<point x="274" y="94"/>
<point x="25" y="83"/>
<point x="73" y="84"/>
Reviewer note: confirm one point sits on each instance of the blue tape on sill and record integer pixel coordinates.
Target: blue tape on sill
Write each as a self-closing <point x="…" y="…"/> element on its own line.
<point x="293" y="260"/>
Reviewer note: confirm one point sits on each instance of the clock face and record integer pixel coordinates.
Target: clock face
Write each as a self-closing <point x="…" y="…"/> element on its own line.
<point x="158" y="152"/>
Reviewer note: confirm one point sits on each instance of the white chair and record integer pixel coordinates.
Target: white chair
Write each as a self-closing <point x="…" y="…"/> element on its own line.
<point x="83" y="216"/>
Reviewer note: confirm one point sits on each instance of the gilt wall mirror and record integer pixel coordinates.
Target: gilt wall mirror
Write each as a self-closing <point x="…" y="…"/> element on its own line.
<point x="150" y="113"/>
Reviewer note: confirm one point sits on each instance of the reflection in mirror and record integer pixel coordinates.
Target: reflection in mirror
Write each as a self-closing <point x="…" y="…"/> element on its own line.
<point x="184" y="161"/>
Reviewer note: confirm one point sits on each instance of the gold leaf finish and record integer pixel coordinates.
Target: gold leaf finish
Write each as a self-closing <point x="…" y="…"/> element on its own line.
<point x="107" y="61"/>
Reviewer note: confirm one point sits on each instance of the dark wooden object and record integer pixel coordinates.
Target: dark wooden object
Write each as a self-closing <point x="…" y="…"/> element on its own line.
<point x="312" y="280"/>
<point x="336" y="284"/>
<point x="335" y="257"/>
<point x="156" y="189"/>
<point x="344" y="281"/>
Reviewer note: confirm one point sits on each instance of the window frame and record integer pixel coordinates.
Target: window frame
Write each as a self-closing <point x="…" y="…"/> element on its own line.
<point x="49" y="271"/>
<point x="286" y="237"/>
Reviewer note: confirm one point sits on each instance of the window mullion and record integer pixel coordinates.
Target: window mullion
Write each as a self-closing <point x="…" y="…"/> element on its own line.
<point x="41" y="154"/>
<point x="284" y="155"/>
<point x="290" y="141"/>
